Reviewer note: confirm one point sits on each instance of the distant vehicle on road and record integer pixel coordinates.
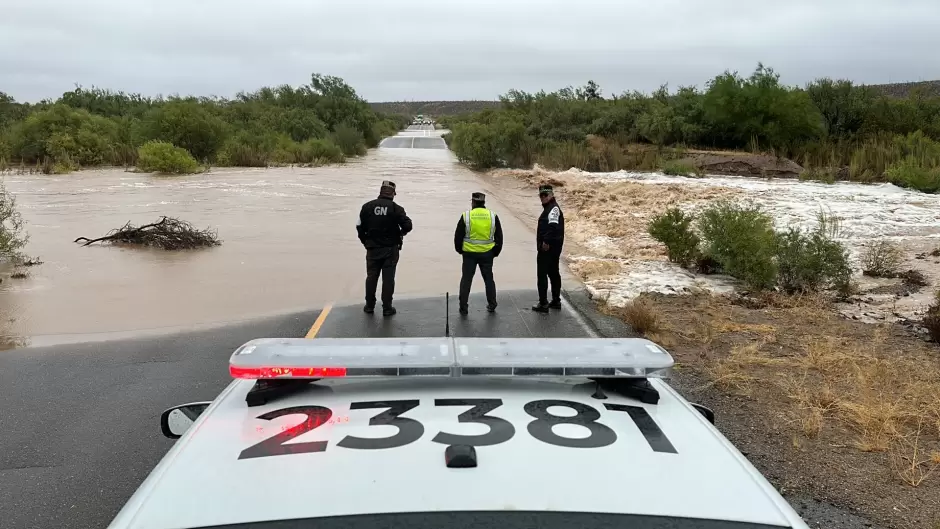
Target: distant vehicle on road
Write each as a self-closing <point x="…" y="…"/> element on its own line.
<point x="424" y="433"/>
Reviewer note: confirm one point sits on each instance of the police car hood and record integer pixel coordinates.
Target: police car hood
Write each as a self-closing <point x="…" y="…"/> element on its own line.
<point x="348" y="448"/>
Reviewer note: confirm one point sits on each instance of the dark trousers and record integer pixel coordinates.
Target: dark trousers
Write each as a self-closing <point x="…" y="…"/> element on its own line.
<point x="547" y="269"/>
<point x="471" y="261"/>
<point x="382" y="261"/>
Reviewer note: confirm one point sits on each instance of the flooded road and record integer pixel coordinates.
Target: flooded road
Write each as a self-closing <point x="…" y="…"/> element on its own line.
<point x="288" y="242"/>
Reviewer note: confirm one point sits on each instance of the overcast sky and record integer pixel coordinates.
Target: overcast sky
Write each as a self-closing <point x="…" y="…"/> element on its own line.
<point x="454" y="49"/>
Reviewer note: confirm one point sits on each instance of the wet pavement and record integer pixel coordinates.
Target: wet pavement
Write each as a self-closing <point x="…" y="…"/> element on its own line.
<point x="81" y="422"/>
<point x="289" y="243"/>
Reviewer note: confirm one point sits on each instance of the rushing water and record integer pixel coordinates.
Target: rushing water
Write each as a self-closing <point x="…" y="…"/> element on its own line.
<point x="289" y="243"/>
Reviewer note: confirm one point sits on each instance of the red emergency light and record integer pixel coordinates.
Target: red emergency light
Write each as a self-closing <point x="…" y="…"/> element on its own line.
<point x="255" y="373"/>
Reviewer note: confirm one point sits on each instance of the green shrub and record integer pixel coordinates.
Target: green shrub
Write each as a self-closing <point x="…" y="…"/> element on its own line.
<point x="911" y="174"/>
<point x="319" y="152"/>
<point x="476" y="145"/>
<point x="678" y="168"/>
<point x="162" y="157"/>
<point x="741" y="239"/>
<point x="247" y="150"/>
<point x="60" y="132"/>
<point x="188" y="124"/>
<point x="812" y="261"/>
<point x="674" y="229"/>
<point x="349" y="140"/>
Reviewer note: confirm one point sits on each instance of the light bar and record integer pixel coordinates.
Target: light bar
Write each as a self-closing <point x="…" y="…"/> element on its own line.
<point x="342" y="357"/>
<point x="298" y="358"/>
<point x="625" y="357"/>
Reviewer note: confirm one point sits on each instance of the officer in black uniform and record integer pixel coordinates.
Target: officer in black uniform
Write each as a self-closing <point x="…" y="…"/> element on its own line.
<point x="382" y="226"/>
<point x="549" y="240"/>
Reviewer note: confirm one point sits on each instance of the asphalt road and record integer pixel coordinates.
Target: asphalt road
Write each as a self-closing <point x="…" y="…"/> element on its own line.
<point x="414" y="142"/>
<point x="79" y="424"/>
<point x="416" y="137"/>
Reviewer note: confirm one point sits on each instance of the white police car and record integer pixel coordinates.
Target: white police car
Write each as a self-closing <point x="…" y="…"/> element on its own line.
<point x="429" y="433"/>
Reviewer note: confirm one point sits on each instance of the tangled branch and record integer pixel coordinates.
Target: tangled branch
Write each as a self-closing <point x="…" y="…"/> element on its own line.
<point x="168" y="234"/>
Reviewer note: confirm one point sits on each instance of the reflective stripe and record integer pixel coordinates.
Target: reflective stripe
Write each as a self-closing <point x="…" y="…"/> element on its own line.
<point x="478" y="245"/>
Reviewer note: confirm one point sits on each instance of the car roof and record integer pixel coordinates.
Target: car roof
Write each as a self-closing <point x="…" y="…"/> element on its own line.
<point x="240" y="463"/>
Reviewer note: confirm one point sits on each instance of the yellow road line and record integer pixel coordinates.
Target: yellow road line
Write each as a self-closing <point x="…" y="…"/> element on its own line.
<point x="312" y="333"/>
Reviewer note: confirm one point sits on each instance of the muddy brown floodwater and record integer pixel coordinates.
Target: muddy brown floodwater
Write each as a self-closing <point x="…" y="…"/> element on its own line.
<point x="289" y="243"/>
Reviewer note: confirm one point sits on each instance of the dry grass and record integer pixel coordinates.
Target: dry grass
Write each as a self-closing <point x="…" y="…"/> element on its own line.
<point x="864" y="386"/>
<point x="641" y="316"/>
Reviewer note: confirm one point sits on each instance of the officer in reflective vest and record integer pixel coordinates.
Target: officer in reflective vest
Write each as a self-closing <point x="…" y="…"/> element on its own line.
<point x="479" y="239"/>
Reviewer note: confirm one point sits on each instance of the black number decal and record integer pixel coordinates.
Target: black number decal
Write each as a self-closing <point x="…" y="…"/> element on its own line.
<point x="501" y="430"/>
<point x="409" y="430"/>
<point x="541" y="427"/>
<point x="274" y="445"/>
<point x="648" y="427"/>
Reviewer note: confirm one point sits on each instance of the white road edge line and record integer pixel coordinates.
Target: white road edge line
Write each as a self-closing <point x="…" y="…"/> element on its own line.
<point x="577" y="317"/>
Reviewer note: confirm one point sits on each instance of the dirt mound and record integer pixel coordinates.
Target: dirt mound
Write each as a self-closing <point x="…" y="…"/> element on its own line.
<point x="744" y="164"/>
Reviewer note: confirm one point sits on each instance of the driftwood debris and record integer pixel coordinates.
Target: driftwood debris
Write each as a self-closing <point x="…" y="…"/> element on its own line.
<point x="168" y="234"/>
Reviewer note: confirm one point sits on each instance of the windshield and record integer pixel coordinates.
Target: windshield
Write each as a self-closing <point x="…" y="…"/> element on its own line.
<point x="499" y="520"/>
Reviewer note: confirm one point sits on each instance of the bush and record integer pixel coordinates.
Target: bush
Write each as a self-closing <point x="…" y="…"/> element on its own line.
<point x="319" y="151"/>
<point x="188" y="124"/>
<point x="674" y="229"/>
<point x="742" y="241"/>
<point x="476" y="145"/>
<point x="811" y="261"/>
<point x="932" y="319"/>
<point x="881" y="258"/>
<point x="911" y="174"/>
<point x="64" y="134"/>
<point x="677" y="168"/>
<point x="12" y="236"/>
<point x="349" y="140"/>
<point x="163" y="157"/>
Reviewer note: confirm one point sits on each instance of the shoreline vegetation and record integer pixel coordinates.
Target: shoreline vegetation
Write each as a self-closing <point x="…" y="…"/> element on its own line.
<point x="322" y="122"/>
<point x="828" y="131"/>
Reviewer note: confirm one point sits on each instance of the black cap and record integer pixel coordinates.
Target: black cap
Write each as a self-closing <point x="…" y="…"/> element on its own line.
<point x="479" y="197"/>
<point x="545" y="188"/>
<point x="388" y="183"/>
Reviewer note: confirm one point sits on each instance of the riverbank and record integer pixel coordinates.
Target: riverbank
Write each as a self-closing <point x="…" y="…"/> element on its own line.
<point x="834" y="401"/>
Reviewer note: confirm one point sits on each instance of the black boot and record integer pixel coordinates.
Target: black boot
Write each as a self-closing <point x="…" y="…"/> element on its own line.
<point x="555" y="305"/>
<point x="389" y="311"/>
<point x="491" y="308"/>
<point x="541" y="307"/>
<point x="464" y="310"/>
<point x="368" y="309"/>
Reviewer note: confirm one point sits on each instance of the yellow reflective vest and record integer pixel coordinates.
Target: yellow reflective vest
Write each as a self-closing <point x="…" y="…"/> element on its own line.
<point x="480" y="228"/>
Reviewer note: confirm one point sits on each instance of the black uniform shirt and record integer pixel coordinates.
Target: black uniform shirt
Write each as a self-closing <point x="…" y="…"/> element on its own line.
<point x="382" y="223"/>
<point x="551" y="227"/>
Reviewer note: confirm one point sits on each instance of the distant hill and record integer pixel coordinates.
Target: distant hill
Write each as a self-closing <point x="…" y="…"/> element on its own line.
<point x="433" y="108"/>
<point x="450" y="108"/>
<point x="930" y="88"/>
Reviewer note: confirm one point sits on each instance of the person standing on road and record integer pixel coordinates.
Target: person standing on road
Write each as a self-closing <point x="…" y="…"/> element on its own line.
<point x="382" y="226"/>
<point x="479" y="239"/>
<point x="549" y="240"/>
